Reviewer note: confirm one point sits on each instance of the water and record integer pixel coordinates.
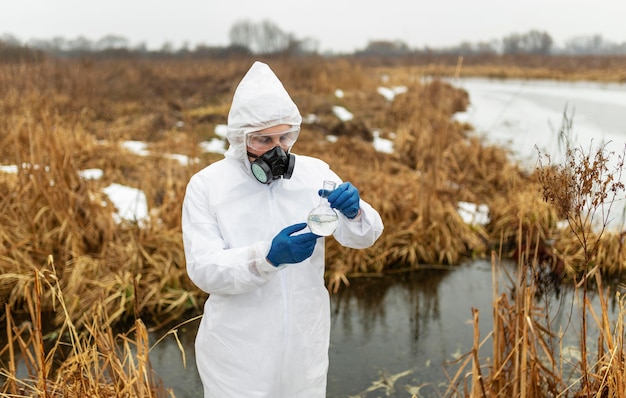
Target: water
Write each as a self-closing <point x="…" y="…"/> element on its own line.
<point x="323" y="224"/>
<point x="407" y="323"/>
<point x="408" y="326"/>
<point x="526" y="117"/>
<point x="522" y="114"/>
<point x="323" y="220"/>
<point x="411" y="327"/>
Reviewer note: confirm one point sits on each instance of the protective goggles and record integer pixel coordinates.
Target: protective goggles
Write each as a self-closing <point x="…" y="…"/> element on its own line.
<point x="260" y="141"/>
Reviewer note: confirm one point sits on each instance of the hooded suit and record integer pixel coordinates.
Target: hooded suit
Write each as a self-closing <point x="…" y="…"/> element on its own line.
<point x="265" y="330"/>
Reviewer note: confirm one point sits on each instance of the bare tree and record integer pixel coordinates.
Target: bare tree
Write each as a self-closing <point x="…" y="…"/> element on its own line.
<point x="242" y="34"/>
<point x="511" y="44"/>
<point x="594" y="45"/>
<point x="109" y="42"/>
<point x="533" y="42"/>
<point x="536" y="42"/>
<point x="386" y="47"/>
<point x="80" y="44"/>
<point x="487" y="47"/>
<point x="261" y="38"/>
<point x="271" y="39"/>
<point x="10" y="40"/>
<point x="303" y="46"/>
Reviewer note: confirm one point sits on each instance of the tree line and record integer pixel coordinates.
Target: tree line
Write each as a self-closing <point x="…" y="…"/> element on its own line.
<point x="266" y="37"/>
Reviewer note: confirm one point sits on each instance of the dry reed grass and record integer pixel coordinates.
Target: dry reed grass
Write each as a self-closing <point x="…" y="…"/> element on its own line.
<point x="64" y="116"/>
<point x="608" y="68"/>
<point x="528" y="358"/>
<point x="91" y="361"/>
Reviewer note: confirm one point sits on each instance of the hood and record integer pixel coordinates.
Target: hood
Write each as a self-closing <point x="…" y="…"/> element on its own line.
<point x="260" y="101"/>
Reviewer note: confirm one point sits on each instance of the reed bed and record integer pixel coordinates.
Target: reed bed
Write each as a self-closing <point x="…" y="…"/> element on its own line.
<point x="600" y="68"/>
<point x="528" y="357"/>
<point x="64" y="116"/>
<point x="91" y="361"/>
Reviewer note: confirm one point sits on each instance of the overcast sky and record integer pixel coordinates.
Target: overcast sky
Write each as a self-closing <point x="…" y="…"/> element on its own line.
<point x="338" y="25"/>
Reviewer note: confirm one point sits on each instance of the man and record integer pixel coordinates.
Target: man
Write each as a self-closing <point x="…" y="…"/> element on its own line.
<point x="266" y="325"/>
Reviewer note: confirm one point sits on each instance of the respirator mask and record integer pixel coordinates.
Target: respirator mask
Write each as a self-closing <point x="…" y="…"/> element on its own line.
<point x="274" y="163"/>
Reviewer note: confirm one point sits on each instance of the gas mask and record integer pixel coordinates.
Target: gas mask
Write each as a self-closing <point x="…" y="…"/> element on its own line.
<point x="272" y="165"/>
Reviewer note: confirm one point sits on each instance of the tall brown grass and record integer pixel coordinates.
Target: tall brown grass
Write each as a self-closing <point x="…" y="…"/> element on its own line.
<point x="59" y="117"/>
<point x="528" y="357"/>
<point x="91" y="361"/>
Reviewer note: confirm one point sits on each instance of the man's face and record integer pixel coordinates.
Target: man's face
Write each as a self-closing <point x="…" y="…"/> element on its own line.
<point x="283" y="135"/>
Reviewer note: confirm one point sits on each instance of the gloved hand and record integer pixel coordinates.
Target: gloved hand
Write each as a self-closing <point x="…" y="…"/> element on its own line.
<point x="288" y="249"/>
<point x="345" y="198"/>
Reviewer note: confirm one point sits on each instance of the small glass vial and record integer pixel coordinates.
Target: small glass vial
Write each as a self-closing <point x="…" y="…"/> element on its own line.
<point x="323" y="219"/>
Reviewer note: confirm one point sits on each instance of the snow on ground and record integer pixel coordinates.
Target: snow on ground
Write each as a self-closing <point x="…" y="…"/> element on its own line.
<point x="474" y="214"/>
<point x="130" y="203"/>
<point x="342" y="113"/>
<point x="91" y="174"/>
<point x="382" y="144"/>
<point x="216" y="145"/>
<point x="9" y="169"/>
<point x="390" y="93"/>
<point x="136" y="147"/>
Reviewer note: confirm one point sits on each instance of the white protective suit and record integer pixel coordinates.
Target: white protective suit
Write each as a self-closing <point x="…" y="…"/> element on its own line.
<point x="265" y="330"/>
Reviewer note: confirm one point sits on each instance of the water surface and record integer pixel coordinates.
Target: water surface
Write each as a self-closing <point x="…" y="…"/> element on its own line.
<point x="407" y="323"/>
<point x="408" y="329"/>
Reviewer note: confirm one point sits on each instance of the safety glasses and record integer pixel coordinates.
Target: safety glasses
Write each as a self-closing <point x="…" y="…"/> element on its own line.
<point x="265" y="141"/>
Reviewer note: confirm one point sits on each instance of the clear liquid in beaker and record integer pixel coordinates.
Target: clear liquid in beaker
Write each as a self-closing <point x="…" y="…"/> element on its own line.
<point x="323" y="224"/>
<point x="323" y="219"/>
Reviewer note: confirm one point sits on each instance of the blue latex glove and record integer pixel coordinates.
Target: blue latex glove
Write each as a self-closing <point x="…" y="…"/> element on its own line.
<point x="345" y="198"/>
<point x="288" y="249"/>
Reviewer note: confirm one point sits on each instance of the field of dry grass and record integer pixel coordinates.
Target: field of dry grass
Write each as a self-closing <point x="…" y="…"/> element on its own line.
<point x="61" y="244"/>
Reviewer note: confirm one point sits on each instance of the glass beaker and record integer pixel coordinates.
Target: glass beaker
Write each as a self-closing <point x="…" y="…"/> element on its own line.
<point x="323" y="219"/>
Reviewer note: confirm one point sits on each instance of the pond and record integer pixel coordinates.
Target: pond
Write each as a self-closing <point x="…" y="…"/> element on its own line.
<point x="522" y="114"/>
<point x="404" y="325"/>
<point x="391" y="336"/>
<point x="407" y="329"/>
